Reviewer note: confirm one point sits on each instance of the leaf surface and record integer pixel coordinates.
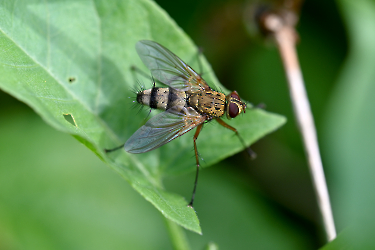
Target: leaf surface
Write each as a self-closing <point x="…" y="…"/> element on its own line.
<point x="70" y="61"/>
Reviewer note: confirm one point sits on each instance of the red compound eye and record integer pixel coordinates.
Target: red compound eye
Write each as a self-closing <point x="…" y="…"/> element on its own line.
<point x="235" y="95"/>
<point x="233" y="110"/>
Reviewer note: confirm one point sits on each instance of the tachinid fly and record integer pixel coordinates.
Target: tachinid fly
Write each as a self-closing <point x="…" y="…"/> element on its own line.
<point x="188" y="103"/>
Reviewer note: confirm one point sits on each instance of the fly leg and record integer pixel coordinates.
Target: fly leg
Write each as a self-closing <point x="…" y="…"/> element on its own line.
<point x="198" y="60"/>
<point x="199" y="128"/>
<point x="199" y="54"/>
<point x="135" y="70"/>
<point x="251" y="153"/>
<point x="114" y="149"/>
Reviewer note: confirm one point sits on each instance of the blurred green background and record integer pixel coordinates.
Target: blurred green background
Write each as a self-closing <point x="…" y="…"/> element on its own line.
<point x="56" y="194"/>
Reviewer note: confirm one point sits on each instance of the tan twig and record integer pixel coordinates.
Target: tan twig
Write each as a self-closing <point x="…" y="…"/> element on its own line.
<point x="285" y="36"/>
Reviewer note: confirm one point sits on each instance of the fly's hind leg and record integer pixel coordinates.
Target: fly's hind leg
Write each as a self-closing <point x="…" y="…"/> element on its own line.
<point x="251" y="153"/>
<point x="199" y="128"/>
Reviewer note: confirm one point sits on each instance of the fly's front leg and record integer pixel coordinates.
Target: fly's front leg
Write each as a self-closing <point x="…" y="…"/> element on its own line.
<point x="251" y="153"/>
<point x="199" y="128"/>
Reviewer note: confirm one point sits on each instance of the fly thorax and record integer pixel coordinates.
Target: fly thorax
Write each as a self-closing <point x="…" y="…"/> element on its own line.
<point x="161" y="98"/>
<point x="211" y="103"/>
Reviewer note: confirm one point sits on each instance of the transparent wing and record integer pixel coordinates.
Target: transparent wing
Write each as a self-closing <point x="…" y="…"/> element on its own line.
<point x="163" y="128"/>
<point x="169" y="68"/>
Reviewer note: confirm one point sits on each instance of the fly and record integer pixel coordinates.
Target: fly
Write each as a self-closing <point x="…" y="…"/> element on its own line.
<point x="188" y="102"/>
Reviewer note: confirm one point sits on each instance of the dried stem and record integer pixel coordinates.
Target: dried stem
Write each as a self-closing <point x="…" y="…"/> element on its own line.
<point x="286" y="36"/>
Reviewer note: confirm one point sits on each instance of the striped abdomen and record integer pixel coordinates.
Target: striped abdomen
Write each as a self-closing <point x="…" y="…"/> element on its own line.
<point x="161" y="98"/>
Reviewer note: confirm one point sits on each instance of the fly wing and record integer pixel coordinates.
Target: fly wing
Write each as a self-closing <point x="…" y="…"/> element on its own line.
<point x="169" y="68"/>
<point x="163" y="128"/>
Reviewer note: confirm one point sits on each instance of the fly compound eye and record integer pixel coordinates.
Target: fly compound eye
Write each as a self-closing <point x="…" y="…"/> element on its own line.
<point x="235" y="95"/>
<point x="233" y="110"/>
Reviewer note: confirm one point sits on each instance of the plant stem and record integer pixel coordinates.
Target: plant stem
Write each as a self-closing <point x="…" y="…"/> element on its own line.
<point x="177" y="235"/>
<point x="285" y="36"/>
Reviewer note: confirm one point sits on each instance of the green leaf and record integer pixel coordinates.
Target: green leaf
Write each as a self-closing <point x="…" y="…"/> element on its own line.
<point x="350" y="128"/>
<point x="340" y="242"/>
<point x="70" y="61"/>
